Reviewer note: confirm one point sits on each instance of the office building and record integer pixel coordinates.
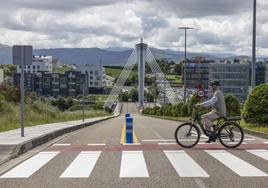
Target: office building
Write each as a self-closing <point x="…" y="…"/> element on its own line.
<point x="72" y="83"/>
<point x="95" y="72"/>
<point x="197" y="73"/>
<point x="234" y="78"/>
<point x="40" y="64"/>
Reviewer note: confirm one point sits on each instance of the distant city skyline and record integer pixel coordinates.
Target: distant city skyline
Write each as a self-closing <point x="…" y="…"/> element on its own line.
<point x="224" y="25"/>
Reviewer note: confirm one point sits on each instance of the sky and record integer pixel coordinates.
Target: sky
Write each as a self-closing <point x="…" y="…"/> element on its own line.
<point x="221" y="25"/>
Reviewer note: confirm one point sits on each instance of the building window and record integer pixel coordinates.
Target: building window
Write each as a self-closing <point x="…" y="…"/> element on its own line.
<point x="33" y="66"/>
<point x="98" y="78"/>
<point x="38" y="67"/>
<point x="96" y="83"/>
<point x="29" y="66"/>
<point x="96" y="73"/>
<point x="91" y="78"/>
<point x="91" y="72"/>
<point x="90" y="83"/>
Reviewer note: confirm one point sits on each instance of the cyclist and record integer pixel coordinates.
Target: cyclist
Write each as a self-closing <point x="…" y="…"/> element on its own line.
<point x="217" y="103"/>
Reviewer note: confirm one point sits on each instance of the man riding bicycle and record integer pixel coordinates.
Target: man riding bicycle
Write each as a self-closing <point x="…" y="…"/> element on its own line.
<point x="217" y="103"/>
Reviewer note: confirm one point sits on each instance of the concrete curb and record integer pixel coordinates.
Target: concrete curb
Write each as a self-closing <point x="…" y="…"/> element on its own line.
<point x="26" y="146"/>
<point x="256" y="133"/>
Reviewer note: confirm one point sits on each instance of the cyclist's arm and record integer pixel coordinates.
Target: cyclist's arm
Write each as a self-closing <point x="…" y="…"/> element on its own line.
<point x="210" y="102"/>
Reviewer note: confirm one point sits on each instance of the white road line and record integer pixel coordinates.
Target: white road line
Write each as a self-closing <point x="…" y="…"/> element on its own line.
<point x="82" y="165"/>
<point x="30" y="166"/>
<point x="133" y="164"/>
<point x="260" y="153"/>
<point x="158" y="140"/>
<point x="248" y="139"/>
<point x="131" y="144"/>
<point x="239" y="166"/>
<point x="100" y="144"/>
<point x="184" y="164"/>
<point x="61" y="144"/>
<point x="166" y="143"/>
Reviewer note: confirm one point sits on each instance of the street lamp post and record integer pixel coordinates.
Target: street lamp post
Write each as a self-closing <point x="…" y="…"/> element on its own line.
<point x="185" y="60"/>
<point x="253" y="45"/>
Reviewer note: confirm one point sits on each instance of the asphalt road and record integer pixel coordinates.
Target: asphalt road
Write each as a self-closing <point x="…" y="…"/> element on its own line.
<point x="94" y="157"/>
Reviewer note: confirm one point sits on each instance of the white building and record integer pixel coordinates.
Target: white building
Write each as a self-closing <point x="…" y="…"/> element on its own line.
<point x="1" y="76"/>
<point x="40" y="64"/>
<point x="96" y="74"/>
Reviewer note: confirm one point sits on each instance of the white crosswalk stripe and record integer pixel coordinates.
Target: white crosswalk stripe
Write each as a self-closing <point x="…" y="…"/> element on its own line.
<point x="30" y="166"/>
<point x="184" y="164"/>
<point x="82" y="165"/>
<point x="260" y="153"/>
<point x="239" y="166"/>
<point x="133" y="164"/>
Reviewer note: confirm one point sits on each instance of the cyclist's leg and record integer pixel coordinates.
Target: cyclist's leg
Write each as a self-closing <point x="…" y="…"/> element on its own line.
<point x="208" y="119"/>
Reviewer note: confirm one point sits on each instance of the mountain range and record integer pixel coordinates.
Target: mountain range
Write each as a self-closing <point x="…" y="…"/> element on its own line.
<point x="107" y="56"/>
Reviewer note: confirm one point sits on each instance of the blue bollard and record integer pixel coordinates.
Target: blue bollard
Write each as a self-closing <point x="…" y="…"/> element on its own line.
<point x="129" y="130"/>
<point x="127" y="115"/>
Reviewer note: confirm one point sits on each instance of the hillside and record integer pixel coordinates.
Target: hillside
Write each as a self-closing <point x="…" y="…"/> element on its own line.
<point x="107" y="56"/>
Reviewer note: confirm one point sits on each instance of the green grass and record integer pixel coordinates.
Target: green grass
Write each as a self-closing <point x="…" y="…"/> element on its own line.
<point x="40" y="113"/>
<point x="254" y="127"/>
<point x="62" y="69"/>
<point x="176" y="78"/>
<point x="98" y="98"/>
<point x="115" y="72"/>
<point x="180" y="119"/>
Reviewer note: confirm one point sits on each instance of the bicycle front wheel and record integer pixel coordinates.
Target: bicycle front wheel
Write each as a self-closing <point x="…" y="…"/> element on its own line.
<point x="187" y="135"/>
<point x="231" y="135"/>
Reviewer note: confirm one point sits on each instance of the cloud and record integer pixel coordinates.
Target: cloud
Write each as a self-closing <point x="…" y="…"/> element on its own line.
<point x="56" y="5"/>
<point x="223" y="25"/>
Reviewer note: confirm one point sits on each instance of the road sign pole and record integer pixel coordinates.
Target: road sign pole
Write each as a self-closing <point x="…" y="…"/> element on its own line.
<point x="83" y="102"/>
<point x="22" y="91"/>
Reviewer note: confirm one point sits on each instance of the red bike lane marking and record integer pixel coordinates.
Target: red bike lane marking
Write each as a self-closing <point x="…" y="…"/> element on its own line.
<point x="149" y="147"/>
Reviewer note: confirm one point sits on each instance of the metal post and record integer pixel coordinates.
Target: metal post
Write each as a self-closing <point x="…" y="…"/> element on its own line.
<point x="84" y="102"/>
<point x="22" y="91"/>
<point x="164" y="91"/>
<point x="253" y="46"/>
<point x="185" y="59"/>
<point x="141" y="54"/>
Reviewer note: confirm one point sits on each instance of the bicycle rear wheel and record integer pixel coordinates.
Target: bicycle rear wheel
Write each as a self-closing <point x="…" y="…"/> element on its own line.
<point x="231" y="135"/>
<point x="187" y="135"/>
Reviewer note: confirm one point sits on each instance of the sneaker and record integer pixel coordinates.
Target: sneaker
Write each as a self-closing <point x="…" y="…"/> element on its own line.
<point x="211" y="139"/>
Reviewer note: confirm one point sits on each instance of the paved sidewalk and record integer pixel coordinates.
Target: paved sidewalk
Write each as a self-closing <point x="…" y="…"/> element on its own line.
<point x="12" y="144"/>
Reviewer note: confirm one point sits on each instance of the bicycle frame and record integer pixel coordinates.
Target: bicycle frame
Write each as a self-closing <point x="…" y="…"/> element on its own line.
<point x="197" y="121"/>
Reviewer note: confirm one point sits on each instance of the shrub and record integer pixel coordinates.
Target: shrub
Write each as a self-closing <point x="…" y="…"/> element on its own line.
<point x="193" y="100"/>
<point x="184" y="110"/>
<point x="11" y="94"/>
<point x="256" y="106"/>
<point x="233" y="107"/>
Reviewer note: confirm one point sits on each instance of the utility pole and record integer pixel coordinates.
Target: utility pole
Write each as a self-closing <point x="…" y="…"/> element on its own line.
<point x="253" y="46"/>
<point x="164" y="91"/>
<point x="185" y="59"/>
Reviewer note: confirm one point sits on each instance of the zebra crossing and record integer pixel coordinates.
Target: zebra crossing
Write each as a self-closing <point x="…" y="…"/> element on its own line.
<point x="133" y="164"/>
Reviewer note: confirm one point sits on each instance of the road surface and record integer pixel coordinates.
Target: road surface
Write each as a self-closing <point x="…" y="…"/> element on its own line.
<point x="94" y="157"/>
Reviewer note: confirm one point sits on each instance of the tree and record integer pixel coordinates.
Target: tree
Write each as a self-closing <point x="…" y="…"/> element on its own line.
<point x="11" y="93"/>
<point x="134" y="95"/>
<point x="256" y="106"/>
<point x="236" y="60"/>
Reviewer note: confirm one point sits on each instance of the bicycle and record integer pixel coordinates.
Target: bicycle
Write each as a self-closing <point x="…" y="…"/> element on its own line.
<point x="227" y="130"/>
